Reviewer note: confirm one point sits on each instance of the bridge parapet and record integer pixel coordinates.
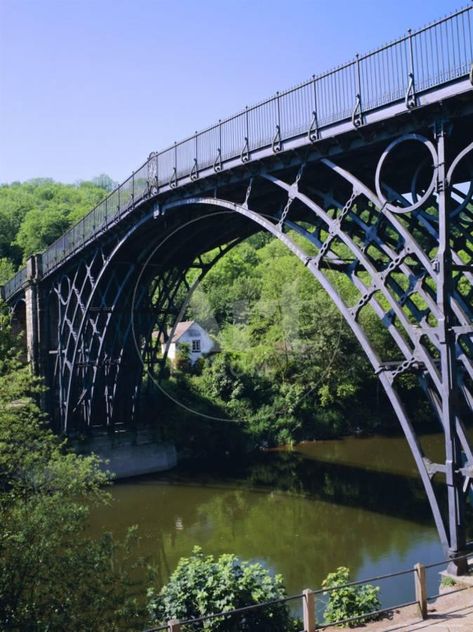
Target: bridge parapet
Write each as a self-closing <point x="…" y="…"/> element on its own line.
<point x="15" y="284"/>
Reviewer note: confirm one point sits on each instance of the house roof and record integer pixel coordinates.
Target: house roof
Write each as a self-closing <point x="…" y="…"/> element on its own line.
<point x="181" y="329"/>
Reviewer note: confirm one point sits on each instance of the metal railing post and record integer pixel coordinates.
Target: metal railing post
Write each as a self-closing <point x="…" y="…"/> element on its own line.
<point x="357" y="114"/>
<point x="308" y="610"/>
<point x="247" y="123"/>
<point x="313" y="133"/>
<point x="175" y="160"/>
<point x="174" y="626"/>
<point x="421" y="589"/>
<point x="277" y="139"/>
<point x="410" y="98"/>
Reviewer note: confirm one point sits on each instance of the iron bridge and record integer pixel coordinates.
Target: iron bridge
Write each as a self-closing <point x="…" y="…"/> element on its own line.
<point x="369" y="164"/>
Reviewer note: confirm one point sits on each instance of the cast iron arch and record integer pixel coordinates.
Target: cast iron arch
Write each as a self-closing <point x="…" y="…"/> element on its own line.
<point x="408" y="342"/>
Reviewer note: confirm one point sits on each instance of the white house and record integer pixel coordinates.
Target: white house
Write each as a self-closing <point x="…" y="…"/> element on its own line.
<point x="191" y="333"/>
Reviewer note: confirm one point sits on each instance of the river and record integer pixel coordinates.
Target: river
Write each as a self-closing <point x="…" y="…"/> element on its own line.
<point x="356" y="502"/>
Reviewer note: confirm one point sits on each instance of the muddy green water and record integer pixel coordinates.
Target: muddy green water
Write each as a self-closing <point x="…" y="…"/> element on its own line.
<point x="355" y="502"/>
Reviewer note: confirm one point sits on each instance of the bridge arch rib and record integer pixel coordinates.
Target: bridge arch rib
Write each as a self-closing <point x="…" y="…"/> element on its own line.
<point x="97" y="371"/>
<point x="400" y="290"/>
<point x="307" y="260"/>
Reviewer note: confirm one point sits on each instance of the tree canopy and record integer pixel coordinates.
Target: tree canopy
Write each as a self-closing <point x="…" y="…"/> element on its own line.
<point x="35" y="213"/>
<point x="289" y="368"/>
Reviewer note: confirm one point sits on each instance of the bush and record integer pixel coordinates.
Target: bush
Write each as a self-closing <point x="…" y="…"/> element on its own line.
<point x="182" y="360"/>
<point x="203" y="585"/>
<point x="349" y="601"/>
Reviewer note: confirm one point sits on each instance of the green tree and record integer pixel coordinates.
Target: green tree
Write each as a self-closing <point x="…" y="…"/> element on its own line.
<point x="202" y="585"/>
<point x="104" y="182"/>
<point x="53" y="576"/>
<point x="35" y="213"/>
<point x="182" y="362"/>
<point x="289" y="365"/>
<point x="7" y="270"/>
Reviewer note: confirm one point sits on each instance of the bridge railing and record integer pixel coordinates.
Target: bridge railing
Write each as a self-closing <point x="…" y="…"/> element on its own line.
<point x="422" y="59"/>
<point x="124" y="196"/>
<point x="16" y="283"/>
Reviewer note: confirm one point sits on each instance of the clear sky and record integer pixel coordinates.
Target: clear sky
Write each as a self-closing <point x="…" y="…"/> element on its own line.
<point x="92" y="86"/>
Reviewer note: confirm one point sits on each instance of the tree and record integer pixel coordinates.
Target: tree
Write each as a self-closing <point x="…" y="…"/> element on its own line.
<point x="182" y="360"/>
<point x="53" y="576"/>
<point x="35" y="213"/>
<point x="289" y="366"/>
<point x="7" y="270"/>
<point x="104" y="182"/>
<point x="203" y="584"/>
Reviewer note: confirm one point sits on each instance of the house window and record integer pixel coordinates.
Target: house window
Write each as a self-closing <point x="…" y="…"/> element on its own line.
<point x="196" y="345"/>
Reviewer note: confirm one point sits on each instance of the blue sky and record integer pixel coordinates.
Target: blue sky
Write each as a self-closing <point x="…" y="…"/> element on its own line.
<point x="92" y="86"/>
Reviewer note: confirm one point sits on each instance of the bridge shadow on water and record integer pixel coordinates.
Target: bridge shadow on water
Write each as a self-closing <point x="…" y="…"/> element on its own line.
<point x="380" y="492"/>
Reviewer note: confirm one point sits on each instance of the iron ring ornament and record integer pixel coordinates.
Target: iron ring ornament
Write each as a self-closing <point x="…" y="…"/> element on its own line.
<point x="469" y="194"/>
<point x="430" y="189"/>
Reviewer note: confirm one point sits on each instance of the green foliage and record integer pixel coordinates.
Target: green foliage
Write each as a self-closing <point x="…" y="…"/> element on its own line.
<point x="9" y="347"/>
<point x="53" y="576"/>
<point x="35" y="213"/>
<point x="7" y="270"/>
<point x="105" y="182"/>
<point x="202" y="585"/>
<point x="289" y="367"/>
<point x="447" y="582"/>
<point x="349" y="601"/>
<point x="182" y="360"/>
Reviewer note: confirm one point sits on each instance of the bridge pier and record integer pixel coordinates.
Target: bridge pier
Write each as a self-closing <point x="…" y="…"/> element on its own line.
<point x="128" y="454"/>
<point x="34" y="314"/>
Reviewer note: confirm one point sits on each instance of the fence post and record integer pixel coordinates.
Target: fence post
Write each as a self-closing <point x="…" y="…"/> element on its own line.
<point x="421" y="589"/>
<point x="308" y="610"/>
<point x="174" y="626"/>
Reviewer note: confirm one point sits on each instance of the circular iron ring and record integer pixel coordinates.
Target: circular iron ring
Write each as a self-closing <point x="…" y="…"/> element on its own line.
<point x="469" y="195"/>
<point x="418" y="203"/>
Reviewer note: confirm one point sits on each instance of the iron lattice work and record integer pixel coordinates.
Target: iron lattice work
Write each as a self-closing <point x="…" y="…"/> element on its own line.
<point x="107" y="315"/>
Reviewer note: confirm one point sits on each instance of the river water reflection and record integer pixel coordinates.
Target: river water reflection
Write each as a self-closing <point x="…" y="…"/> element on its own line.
<point x="355" y="502"/>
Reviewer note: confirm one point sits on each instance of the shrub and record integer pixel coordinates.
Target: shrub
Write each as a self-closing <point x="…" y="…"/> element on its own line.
<point x="349" y="601"/>
<point x="202" y="585"/>
<point x="182" y="360"/>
